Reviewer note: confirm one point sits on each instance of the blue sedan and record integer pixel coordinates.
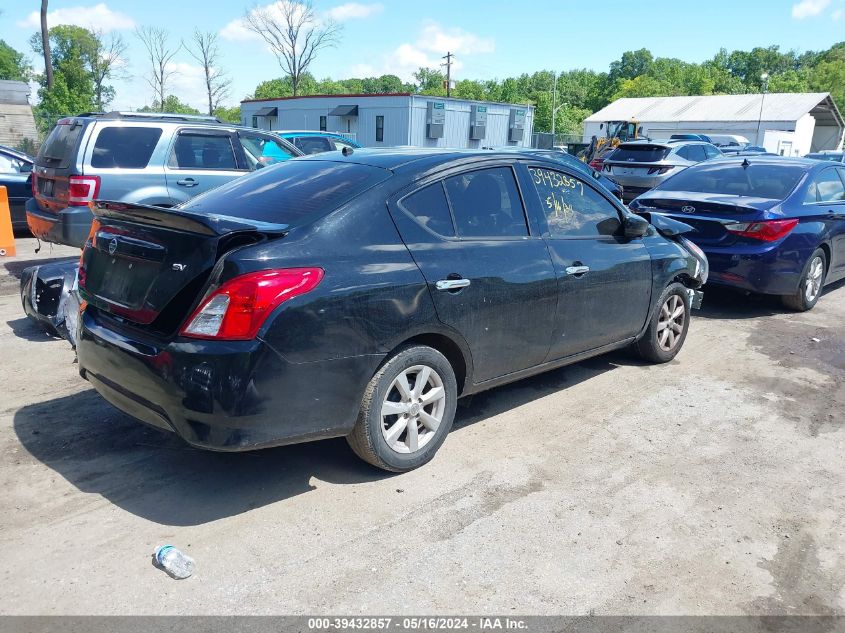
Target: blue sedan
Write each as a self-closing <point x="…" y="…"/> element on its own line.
<point x="16" y="176"/>
<point x="311" y="142"/>
<point x="767" y="224"/>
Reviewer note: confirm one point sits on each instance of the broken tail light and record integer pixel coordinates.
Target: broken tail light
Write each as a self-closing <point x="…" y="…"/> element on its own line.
<point x="82" y="190"/>
<point x="236" y="310"/>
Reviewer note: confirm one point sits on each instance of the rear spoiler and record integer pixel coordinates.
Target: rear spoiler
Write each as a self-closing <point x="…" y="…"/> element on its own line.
<point x="180" y="220"/>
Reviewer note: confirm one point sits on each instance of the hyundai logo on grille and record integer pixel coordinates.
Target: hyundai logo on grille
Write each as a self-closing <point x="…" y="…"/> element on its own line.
<point x="112" y="246"/>
<point x="688" y="209"/>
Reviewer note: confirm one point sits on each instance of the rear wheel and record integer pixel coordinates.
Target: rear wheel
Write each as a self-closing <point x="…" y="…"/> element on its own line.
<point x="407" y="410"/>
<point x="812" y="282"/>
<point x="668" y="327"/>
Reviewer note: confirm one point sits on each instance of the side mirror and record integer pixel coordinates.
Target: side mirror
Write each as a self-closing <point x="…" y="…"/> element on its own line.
<point x="26" y="168"/>
<point x="635" y="226"/>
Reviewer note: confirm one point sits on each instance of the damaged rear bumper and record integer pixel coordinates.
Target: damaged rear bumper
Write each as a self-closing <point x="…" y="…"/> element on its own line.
<point x="48" y="295"/>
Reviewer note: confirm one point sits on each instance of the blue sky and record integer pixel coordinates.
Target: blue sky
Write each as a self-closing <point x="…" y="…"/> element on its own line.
<point x="493" y="38"/>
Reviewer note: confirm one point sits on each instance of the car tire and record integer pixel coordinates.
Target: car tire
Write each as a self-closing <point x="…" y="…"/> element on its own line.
<point x="811" y="284"/>
<point x="667" y="329"/>
<point x="407" y="410"/>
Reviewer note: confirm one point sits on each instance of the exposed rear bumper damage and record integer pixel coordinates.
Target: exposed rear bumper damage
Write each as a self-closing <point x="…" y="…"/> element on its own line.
<point x="48" y="295"/>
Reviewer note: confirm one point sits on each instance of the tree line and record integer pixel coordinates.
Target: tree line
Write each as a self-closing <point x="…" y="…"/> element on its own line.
<point x="84" y="64"/>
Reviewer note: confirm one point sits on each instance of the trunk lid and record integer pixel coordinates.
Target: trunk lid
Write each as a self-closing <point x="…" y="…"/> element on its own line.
<point x="709" y="214"/>
<point x="149" y="265"/>
<point x="56" y="162"/>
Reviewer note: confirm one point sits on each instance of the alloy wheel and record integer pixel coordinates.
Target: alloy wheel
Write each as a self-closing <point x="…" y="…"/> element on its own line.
<point x="413" y="409"/>
<point x="670" y="323"/>
<point x="813" y="284"/>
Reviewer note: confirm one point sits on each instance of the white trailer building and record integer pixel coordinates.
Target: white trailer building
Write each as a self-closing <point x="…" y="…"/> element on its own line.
<point x="790" y="124"/>
<point x="390" y="120"/>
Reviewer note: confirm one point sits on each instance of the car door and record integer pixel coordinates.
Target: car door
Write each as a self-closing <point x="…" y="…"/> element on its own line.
<point x="490" y="279"/>
<point x="200" y="160"/>
<point x="604" y="279"/>
<point x="826" y="194"/>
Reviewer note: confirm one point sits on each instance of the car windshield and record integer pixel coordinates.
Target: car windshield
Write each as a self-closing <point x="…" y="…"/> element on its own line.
<point x="291" y="192"/>
<point x="766" y="180"/>
<point x="639" y="153"/>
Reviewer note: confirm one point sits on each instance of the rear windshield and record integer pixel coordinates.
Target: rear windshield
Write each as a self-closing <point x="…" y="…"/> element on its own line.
<point x="830" y="157"/>
<point x="289" y="193"/>
<point x="125" y="147"/>
<point x="59" y="149"/>
<point x="768" y="180"/>
<point x="640" y="153"/>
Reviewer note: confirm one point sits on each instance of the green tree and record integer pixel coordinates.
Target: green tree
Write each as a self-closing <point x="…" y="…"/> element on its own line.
<point x="829" y="77"/>
<point x="429" y="81"/>
<point x="73" y="91"/>
<point x="13" y="64"/>
<point x="232" y="115"/>
<point x="173" y="105"/>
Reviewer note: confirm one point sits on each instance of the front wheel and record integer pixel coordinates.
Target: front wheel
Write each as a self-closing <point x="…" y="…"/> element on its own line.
<point x="668" y="327"/>
<point x="407" y="410"/>
<point x="811" y="284"/>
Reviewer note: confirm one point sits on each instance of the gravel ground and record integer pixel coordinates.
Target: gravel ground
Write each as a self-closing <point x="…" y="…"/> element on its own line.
<point x="714" y="484"/>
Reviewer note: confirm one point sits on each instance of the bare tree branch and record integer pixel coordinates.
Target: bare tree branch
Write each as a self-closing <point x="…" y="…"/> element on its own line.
<point x="106" y="64"/>
<point x="204" y="49"/>
<point x="159" y="53"/>
<point x="294" y="33"/>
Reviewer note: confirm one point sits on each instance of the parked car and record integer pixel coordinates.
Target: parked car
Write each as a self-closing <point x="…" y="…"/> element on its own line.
<point x="311" y="142"/>
<point x="15" y="175"/>
<point x="828" y="155"/>
<point x="642" y="165"/>
<point x="770" y="225"/>
<point x="748" y="150"/>
<point x="360" y="295"/>
<point x="157" y="159"/>
<point x="729" y="140"/>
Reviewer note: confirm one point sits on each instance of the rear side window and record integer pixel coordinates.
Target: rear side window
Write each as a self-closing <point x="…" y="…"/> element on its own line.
<point x="313" y="144"/>
<point x="59" y="150"/>
<point x="762" y="180"/>
<point x="711" y="151"/>
<point x="827" y="187"/>
<point x="430" y="208"/>
<point x="640" y="153"/>
<point x="292" y="192"/>
<point x="125" y="147"/>
<point x="202" y="151"/>
<point x="486" y="203"/>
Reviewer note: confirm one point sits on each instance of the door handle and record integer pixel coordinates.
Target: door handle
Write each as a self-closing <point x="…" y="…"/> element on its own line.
<point x="187" y="182"/>
<point x="452" y="284"/>
<point x="577" y="270"/>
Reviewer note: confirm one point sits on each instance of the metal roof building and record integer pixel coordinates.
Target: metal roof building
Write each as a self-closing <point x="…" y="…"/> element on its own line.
<point x="390" y="120"/>
<point x="16" y="120"/>
<point x="792" y="124"/>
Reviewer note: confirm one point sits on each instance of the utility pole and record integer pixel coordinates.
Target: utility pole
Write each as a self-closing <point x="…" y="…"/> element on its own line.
<point x="448" y="57"/>
<point x="765" y="79"/>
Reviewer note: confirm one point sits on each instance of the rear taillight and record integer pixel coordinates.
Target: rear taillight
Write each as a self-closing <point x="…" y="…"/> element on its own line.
<point x="766" y="231"/>
<point x="34" y="185"/>
<point x="238" y="308"/>
<point x="659" y="170"/>
<point x="82" y="190"/>
<point x="597" y="163"/>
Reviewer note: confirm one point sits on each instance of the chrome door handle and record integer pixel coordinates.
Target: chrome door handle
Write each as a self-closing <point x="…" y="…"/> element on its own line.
<point x="577" y="270"/>
<point x="452" y="284"/>
<point x="187" y="182"/>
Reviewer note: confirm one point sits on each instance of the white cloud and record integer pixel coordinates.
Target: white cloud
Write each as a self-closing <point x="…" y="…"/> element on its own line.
<point x="809" y="8"/>
<point x="353" y="10"/>
<point x="97" y="17"/>
<point x="433" y="42"/>
<point x="837" y="15"/>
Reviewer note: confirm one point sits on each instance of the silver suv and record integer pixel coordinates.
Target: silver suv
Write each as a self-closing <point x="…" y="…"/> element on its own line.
<point x="642" y="165"/>
<point x="155" y="159"/>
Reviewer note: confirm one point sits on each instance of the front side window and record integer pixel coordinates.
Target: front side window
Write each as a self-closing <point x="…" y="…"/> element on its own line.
<point x="125" y="147"/>
<point x="486" y="203"/>
<point x="827" y="187"/>
<point x="262" y="150"/>
<point x="430" y="208"/>
<point x="202" y="151"/>
<point x="573" y="208"/>
<point x="379" y="129"/>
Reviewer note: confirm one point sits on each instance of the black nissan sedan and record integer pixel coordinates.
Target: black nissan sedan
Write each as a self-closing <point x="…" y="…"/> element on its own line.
<point x="361" y="294"/>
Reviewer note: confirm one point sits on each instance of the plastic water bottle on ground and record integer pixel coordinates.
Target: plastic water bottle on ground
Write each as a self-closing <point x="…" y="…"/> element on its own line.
<point x="174" y="562"/>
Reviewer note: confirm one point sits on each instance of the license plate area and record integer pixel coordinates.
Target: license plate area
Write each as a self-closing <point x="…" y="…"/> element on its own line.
<point x="121" y="281"/>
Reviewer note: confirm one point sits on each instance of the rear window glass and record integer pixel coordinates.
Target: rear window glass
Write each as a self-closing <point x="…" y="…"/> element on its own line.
<point x="771" y="181"/>
<point x="125" y="147"/>
<point x="486" y="203"/>
<point x="313" y="144"/>
<point x="59" y="149"/>
<point x="640" y="153"/>
<point x="291" y="192"/>
<point x="202" y="151"/>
